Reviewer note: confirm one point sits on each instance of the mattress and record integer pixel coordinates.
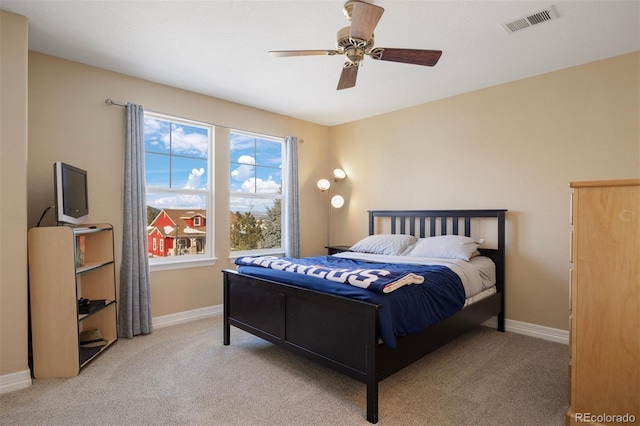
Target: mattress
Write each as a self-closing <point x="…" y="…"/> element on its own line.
<point x="477" y="274"/>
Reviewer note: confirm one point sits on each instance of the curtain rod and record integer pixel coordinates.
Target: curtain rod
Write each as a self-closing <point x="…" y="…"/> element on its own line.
<point x="110" y="102"/>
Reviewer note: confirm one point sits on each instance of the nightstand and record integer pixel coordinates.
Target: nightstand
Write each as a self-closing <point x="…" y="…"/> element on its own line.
<point x="336" y="249"/>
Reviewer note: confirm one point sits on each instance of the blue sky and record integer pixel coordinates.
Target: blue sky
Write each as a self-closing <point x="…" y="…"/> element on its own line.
<point x="177" y="157"/>
<point x="256" y="168"/>
<point x="256" y="164"/>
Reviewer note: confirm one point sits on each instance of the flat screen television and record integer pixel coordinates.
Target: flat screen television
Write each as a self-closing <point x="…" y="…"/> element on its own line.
<point x="71" y="194"/>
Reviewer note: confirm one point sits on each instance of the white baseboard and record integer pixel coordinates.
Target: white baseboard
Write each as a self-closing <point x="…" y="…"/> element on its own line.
<point x="519" y="327"/>
<point x="15" y="381"/>
<point x="182" y="317"/>
<point x="533" y="330"/>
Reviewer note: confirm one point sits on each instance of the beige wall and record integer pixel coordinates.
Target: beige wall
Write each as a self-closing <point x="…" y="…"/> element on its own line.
<point x="13" y="198"/>
<point x="69" y="121"/>
<point x="515" y="146"/>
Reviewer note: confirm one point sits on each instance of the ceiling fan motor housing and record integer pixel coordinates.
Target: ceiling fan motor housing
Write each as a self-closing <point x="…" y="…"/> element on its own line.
<point x="353" y="48"/>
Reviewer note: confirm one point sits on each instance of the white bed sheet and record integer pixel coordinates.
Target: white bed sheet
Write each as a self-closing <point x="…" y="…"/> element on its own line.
<point x="477" y="274"/>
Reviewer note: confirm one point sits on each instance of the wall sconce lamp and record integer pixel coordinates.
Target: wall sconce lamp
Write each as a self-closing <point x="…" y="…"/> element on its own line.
<point x="337" y="201"/>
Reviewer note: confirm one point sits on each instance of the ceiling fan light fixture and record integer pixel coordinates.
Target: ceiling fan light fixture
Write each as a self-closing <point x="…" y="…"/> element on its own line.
<point x="354" y="54"/>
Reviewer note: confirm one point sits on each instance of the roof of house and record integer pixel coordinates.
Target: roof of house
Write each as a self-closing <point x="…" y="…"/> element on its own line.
<point x="182" y="228"/>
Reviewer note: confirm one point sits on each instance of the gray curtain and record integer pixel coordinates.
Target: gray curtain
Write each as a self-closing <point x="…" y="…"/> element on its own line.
<point x="135" y="303"/>
<point x="290" y="205"/>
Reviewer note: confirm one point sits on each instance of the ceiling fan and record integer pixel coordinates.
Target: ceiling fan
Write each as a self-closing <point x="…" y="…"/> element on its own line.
<point x="356" y="41"/>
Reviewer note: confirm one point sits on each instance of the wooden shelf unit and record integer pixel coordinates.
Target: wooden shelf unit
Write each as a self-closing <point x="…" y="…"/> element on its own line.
<point x="57" y="280"/>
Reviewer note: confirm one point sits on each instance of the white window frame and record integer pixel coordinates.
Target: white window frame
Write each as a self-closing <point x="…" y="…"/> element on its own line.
<point x="194" y="260"/>
<point x="275" y="196"/>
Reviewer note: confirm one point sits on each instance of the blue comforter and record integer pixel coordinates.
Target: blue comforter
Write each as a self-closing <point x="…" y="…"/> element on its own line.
<point x="371" y="276"/>
<point x="406" y="310"/>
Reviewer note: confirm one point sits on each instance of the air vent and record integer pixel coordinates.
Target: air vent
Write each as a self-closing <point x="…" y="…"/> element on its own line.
<point x="533" y="19"/>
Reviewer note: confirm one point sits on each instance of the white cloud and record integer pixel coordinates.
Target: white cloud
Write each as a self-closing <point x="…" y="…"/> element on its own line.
<point x="152" y="125"/>
<point x="246" y="159"/>
<point x="242" y="173"/>
<point x="193" y="181"/>
<point x="260" y="186"/>
<point x="257" y="206"/>
<point x="177" y="201"/>
<point x="154" y="131"/>
<point x="186" y="143"/>
<point x="245" y="170"/>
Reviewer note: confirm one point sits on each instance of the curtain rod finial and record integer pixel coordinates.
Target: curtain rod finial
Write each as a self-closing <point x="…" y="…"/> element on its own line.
<point x="111" y="102"/>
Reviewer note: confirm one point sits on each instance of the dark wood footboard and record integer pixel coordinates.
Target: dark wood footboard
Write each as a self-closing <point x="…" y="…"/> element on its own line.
<point x="332" y="330"/>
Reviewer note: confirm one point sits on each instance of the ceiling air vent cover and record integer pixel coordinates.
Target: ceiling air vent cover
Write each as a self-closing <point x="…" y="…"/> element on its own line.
<point x="534" y="19"/>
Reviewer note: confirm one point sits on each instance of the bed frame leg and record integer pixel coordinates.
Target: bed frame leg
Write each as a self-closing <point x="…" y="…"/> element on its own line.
<point x="226" y="329"/>
<point x="372" y="373"/>
<point x="372" y="401"/>
<point x="226" y="333"/>
<point x="501" y="322"/>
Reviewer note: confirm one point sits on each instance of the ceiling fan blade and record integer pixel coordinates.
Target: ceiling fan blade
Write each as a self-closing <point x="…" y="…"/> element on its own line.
<point x="282" y="53"/>
<point x="408" y="56"/>
<point x="364" y="19"/>
<point x="348" y="76"/>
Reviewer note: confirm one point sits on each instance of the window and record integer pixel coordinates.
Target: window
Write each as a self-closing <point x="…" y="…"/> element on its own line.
<point x="178" y="168"/>
<point x="255" y="186"/>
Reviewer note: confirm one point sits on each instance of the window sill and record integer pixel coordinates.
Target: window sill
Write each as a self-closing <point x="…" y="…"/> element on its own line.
<point x="266" y="252"/>
<point x="181" y="264"/>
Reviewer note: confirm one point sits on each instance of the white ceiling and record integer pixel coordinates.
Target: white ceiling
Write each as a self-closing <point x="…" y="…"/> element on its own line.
<point x="219" y="48"/>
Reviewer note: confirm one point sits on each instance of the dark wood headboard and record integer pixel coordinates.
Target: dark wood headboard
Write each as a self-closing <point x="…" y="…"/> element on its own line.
<point x="423" y="223"/>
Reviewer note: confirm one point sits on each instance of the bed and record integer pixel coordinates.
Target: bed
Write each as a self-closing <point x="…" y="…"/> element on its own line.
<point x="344" y="333"/>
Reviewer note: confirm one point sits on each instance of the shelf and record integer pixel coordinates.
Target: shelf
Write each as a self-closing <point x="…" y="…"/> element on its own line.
<point x="90" y="229"/>
<point x="106" y="305"/>
<point x="88" y="354"/>
<point x="92" y="266"/>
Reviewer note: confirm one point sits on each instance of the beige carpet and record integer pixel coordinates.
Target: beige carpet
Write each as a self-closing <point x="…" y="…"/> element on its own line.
<point x="183" y="375"/>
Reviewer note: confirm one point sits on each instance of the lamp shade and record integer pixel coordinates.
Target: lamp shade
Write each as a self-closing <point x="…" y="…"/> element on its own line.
<point x="339" y="174"/>
<point x="337" y="201"/>
<point x="323" y="184"/>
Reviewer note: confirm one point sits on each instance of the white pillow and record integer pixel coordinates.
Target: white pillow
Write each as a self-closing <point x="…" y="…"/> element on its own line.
<point x="446" y="247"/>
<point x="388" y="244"/>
